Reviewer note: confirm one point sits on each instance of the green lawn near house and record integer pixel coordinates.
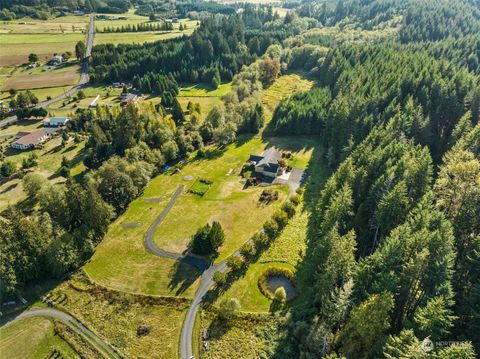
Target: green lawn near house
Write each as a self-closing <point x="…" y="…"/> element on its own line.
<point x="32" y="338"/>
<point x="49" y="160"/>
<point x="204" y="90"/>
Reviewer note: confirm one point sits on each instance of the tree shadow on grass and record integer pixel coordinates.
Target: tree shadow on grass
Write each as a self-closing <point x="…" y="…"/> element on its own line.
<point x="301" y="308"/>
<point x="182" y="276"/>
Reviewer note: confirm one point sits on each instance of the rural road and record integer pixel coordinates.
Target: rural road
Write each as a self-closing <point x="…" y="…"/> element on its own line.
<point x="71" y="322"/>
<point x="206" y="280"/>
<point x="81" y="83"/>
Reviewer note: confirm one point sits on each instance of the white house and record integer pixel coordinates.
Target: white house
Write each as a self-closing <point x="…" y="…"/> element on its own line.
<point x="56" y="121"/>
<point x="56" y="60"/>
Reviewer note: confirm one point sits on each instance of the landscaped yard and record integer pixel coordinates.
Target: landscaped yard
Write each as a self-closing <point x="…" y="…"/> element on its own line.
<point x="49" y="160"/>
<point x="32" y="338"/>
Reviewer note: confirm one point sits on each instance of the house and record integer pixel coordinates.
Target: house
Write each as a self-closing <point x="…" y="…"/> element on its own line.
<point x="78" y="13"/>
<point x="34" y="139"/>
<point x="56" y="60"/>
<point x="21" y="134"/>
<point x="32" y="65"/>
<point x="267" y="164"/>
<point x="128" y="98"/>
<point x="56" y="121"/>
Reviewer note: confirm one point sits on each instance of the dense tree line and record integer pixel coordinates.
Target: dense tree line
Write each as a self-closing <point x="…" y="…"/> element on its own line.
<point x="43" y="9"/>
<point x="216" y="51"/>
<point x="423" y="20"/>
<point x="363" y="87"/>
<point x="144" y="26"/>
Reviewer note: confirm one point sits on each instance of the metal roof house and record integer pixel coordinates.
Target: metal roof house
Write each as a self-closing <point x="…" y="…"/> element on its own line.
<point x="267" y="163"/>
<point x="56" y="121"/>
<point x="33" y="139"/>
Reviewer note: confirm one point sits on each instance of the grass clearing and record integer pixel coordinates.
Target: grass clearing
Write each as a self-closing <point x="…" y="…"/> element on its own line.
<point x="138" y="37"/>
<point x="32" y="338"/>
<point x="246" y="289"/>
<point x="284" y="86"/>
<point x="204" y="90"/>
<point x="206" y="103"/>
<point x="246" y="336"/>
<point x="115" y="317"/>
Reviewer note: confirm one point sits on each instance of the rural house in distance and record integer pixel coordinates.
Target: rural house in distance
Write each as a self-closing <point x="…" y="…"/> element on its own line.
<point x="33" y="139"/>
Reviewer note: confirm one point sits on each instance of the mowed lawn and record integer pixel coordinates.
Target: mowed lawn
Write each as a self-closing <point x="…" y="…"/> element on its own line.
<point x="237" y="209"/>
<point x="17" y="47"/>
<point x="32" y="338"/>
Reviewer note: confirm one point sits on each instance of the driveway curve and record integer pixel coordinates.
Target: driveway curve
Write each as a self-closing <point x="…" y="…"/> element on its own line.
<point x="205" y="283"/>
<point x="73" y="324"/>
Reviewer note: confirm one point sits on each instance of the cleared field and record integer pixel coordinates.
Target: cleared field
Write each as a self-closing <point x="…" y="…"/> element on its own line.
<point x="115" y="317"/>
<point x="133" y="19"/>
<point x="206" y="103"/>
<point x="204" y="90"/>
<point x="32" y="338"/>
<point x="17" y="47"/>
<point x="138" y="37"/>
<point x="284" y="86"/>
<point x="54" y="78"/>
<point x="244" y="337"/>
<point x="63" y="24"/>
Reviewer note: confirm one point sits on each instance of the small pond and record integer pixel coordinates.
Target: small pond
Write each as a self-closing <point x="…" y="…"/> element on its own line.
<point x="275" y="282"/>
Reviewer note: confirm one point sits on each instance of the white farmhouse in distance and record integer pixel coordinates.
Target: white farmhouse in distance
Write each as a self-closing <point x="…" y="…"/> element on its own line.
<point x="56" y="121"/>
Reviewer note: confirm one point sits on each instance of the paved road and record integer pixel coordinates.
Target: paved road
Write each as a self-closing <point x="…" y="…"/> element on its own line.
<point x="81" y="83"/>
<point x="205" y="283"/>
<point x="74" y="324"/>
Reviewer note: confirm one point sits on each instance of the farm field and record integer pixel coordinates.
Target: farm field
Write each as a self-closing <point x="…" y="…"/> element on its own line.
<point x="50" y="78"/>
<point x="17" y="47"/>
<point x="32" y="338"/>
<point x="62" y="24"/>
<point x="138" y="37"/>
<point x="115" y="317"/>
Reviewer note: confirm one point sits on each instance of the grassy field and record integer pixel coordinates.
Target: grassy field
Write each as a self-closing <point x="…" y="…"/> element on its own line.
<point x="203" y="90"/>
<point x="115" y="317"/>
<point x="62" y="24"/>
<point x="138" y="37"/>
<point x="17" y="47"/>
<point x="246" y="336"/>
<point x="226" y="201"/>
<point x="284" y="86"/>
<point x="32" y="338"/>
<point x="46" y="79"/>
<point x="246" y="289"/>
<point x="49" y="160"/>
